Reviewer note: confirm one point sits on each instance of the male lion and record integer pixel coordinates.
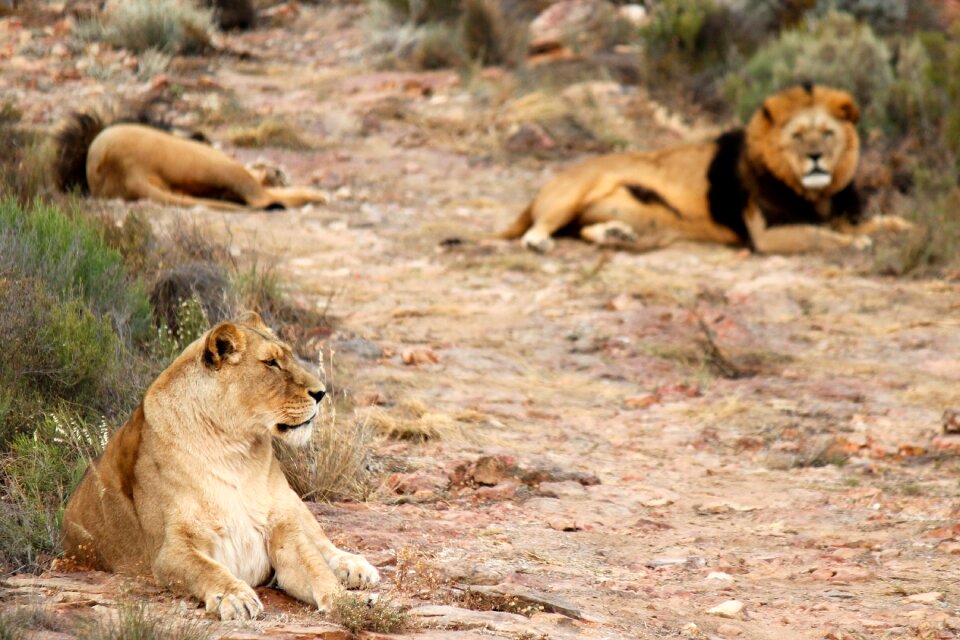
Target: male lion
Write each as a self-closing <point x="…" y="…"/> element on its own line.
<point x="190" y="491"/>
<point x="134" y="161"/>
<point x="782" y="185"/>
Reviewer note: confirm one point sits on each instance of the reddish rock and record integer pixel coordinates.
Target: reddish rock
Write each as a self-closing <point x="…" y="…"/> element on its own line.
<point x="504" y="490"/>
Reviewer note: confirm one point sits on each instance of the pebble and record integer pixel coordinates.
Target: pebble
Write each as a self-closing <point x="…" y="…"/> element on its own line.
<point x="930" y="597"/>
<point x="720" y="576"/>
<point x="729" y="631"/>
<point x="728" y="609"/>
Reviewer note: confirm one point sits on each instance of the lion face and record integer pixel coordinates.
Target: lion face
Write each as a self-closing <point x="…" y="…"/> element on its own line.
<point x="807" y="137"/>
<point x="259" y="373"/>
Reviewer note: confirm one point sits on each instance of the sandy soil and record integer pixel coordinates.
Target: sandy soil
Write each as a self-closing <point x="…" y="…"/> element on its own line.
<point x="658" y="433"/>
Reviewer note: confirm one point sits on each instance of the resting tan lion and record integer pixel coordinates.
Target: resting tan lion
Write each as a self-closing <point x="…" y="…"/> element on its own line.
<point x="134" y="161"/>
<point x="190" y="491"/>
<point x="782" y="185"/>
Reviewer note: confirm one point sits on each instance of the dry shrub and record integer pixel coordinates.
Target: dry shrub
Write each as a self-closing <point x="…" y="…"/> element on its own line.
<point x="413" y="420"/>
<point x="358" y="613"/>
<point x="138" y="621"/>
<point x="171" y="26"/>
<point x="271" y="132"/>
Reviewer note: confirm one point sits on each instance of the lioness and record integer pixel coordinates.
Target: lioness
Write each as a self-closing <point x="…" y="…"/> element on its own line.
<point x="189" y="489"/>
<point x="134" y="161"/>
<point x="782" y="185"/>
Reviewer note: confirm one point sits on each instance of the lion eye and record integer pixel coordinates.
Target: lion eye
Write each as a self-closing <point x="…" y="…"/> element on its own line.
<point x="797" y="135"/>
<point x="272" y="363"/>
<point x="828" y="133"/>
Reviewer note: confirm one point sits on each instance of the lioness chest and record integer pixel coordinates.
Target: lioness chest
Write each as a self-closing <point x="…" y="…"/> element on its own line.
<point x="241" y="533"/>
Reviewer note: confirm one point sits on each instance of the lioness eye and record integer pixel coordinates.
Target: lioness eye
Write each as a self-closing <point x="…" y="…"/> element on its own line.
<point x="273" y="363"/>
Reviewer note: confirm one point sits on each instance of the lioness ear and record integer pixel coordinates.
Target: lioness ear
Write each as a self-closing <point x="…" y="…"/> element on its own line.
<point x="224" y="344"/>
<point x="847" y="109"/>
<point x="253" y="319"/>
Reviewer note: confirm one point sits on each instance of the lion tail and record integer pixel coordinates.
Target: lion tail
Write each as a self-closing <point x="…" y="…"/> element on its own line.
<point x="523" y="222"/>
<point x="71" y="142"/>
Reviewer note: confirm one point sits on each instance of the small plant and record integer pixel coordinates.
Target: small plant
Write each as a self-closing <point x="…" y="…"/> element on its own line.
<point x="271" y="132"/>
<point x="337" y="462"/>
<point x="170" y="26"/>
<point x="359" y="613"/>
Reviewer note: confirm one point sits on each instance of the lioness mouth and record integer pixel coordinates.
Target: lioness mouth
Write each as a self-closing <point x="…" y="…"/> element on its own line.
<point x="283" y="428"/>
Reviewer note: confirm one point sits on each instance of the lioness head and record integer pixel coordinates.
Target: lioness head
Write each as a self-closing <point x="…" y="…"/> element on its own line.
<point x="807" y="137"/>
<point x="256" y="381"/>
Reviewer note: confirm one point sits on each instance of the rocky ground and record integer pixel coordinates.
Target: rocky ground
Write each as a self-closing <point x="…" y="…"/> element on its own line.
<point x="692" y="442"/>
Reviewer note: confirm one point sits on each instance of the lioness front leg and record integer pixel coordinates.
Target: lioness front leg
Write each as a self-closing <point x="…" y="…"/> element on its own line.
<point x="300" y="567"/>
<point x="183" y="566"/>
<point x="352" y="569"/>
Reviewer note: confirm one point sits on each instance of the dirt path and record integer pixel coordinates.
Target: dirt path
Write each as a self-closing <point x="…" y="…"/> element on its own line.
<point x="657" y="434"/>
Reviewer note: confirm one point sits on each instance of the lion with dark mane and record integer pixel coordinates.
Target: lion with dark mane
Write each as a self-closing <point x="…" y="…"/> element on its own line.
<point x="783" y="184"/>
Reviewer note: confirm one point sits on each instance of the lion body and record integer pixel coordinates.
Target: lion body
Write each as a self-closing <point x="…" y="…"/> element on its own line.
<point x="135" y="161"/>
<point x="189" y="489"/>
<point x="783" y="184"/>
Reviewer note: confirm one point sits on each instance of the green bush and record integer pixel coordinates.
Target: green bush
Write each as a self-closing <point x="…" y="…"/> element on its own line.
<point x="169" y="26"/>
<point x="698" y="33"/>
<point x="834" y="50"/>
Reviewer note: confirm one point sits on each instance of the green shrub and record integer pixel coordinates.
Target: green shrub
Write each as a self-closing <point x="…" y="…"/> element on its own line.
<point x="169" y="26"/>
<point x="834" y="50"/>
<point x="698" y="33"/>
<point x="36" y="477"/>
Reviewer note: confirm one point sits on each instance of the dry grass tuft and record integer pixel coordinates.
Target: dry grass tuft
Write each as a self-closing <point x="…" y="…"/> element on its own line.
<point x="413" y="420"/>
<point x="271" y="132"/>
<point x="360" y="613"/>
<point x="137" y="621"/>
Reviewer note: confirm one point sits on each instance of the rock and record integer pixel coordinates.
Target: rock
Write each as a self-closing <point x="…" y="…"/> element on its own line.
<point x="447" y="617"/>
<point x="419" y="355"/>
<point x="563" y="523"/>
<point x="720" y="576"/>
<point x="411" y="483"/>
<point x="654" y="503"/>
<point x="568" y="21"/>
<point x="546" y="602"/>
<point x="635" y="14"/>
<point x="930" y="597"/>
<point x="504" y="490"/>
<point x="529" y="138"/>
<point x="691" y="630"/>
<point x="490" y="470"/>
<point x="565" y="489"/>
<point x="534" y="477"/>
<point x="641" y="402"/>
<point x="728" y="609"/>
<point x="729" y="631"/>
<point x="951" y="421"/>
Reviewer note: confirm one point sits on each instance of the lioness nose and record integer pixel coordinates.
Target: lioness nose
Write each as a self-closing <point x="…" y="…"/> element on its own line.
<point x="317" y="395"/>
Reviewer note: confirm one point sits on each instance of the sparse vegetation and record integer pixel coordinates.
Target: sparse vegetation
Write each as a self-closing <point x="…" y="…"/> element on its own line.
<point x="137" y="621"/>
<point x="357" y="613"/>
<point x="169" y="26"/>
<point x="271" y="132"/>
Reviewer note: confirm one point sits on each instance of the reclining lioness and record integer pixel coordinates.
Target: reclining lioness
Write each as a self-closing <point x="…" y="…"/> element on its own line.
<point x="135" y="161"/>
<point x="190" y="491"/>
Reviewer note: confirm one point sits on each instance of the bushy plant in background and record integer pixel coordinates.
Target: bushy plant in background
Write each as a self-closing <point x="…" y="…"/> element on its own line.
<point x="835" y="50"/>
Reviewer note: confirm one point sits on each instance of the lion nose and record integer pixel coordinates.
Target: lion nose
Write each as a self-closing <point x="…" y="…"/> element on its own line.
<point x="317" y="395"/>
<point x="815" y="157"/>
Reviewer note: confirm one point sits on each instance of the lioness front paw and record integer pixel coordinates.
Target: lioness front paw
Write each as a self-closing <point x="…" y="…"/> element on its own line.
<point x="354" y="571"/>
<point x="239" y="602"/>
<point x="537" y="240"/>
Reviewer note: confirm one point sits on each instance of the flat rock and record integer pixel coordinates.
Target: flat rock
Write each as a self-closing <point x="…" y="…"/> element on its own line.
<point x="547" y="602"/>
<point x="930" y="597"/>
<point x="728" y="609"/>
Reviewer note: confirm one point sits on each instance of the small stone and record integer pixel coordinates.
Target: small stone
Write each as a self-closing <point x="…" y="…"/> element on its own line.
<point x="504" y="490"/>
<point x="930" y="597"/>
<point x="729" y="631"/>
<point x="641" y="402"/>
<point x="562" y="523"/>
<point x="490" y="470"/>
<point x="419" y="355"/>
<point x="728" y="609"/>
<point x="565" y="489"/>
<point x="691" y="630"/>
<point x="951" y="421"/>
<point x="720" y="576"/>
<point x="653" y="503"/>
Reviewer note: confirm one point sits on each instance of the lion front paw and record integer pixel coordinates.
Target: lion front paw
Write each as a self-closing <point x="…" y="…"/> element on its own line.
<point x="354" y="571"/>
<point x="537" y="240"/>
<point x="238" y="602"/>
<point x="861" y="243"/>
